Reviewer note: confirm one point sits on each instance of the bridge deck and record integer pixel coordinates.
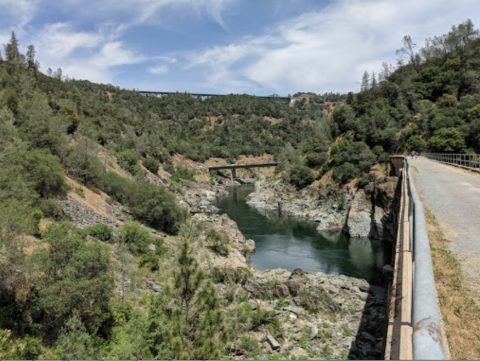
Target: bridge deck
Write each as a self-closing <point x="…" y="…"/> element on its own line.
<point x="270" y="97"/>
<point x="453" y="195"/>
<point x="243" y="166"/>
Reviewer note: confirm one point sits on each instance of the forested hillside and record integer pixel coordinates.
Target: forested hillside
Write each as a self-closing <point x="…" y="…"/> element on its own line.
<point x="57" y="299"/>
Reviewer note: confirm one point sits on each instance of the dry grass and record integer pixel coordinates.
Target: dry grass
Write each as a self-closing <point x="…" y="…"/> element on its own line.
<point x="458" y="299"/>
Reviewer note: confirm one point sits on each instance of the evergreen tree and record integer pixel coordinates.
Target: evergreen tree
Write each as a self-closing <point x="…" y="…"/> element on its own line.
<point x="365" y="82"/>
<point x="11" y="49"/>
<point x="197" y="322"/>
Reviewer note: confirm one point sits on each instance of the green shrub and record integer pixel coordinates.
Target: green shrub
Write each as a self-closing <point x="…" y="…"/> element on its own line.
<point x="51" y="209"/>
<point x="128" y="160"/>
<point x="301" y="176"/>
<point x="218" y="275"/>
<point x="183" y="173"/>
<point x="120" y="189"/>
<point x="149" y="260"/>
<point x="447" y="140"/>
<point x="85" y="168"/>
<point x="102" y="232"/>
<point x="217" y="243"/>
<point x="314" y="159"/>
<point x="157" y="207"/>
<point x="135" y="237"/>
<point x="363" y="181"/>
<point x="346" y="172"/>
<point x="416" y="143"/>
<point x="151" y="164"/>
<point x="44" y="171"/>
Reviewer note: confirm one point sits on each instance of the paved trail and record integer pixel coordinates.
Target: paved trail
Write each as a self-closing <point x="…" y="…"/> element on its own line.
<point x="454" y="198"/>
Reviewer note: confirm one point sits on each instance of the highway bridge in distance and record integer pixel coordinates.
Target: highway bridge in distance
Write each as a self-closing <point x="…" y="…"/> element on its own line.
<point x="287" y="100"/>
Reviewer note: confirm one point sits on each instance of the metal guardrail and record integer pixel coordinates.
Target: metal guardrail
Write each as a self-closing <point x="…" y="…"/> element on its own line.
<point x="465" y="160"/>
<point x="427" y="336"/>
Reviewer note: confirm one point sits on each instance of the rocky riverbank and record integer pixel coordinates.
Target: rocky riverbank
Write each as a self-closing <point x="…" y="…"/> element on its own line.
<point x="361" y="214"/>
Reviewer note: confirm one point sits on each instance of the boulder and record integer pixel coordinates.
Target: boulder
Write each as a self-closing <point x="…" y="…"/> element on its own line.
<point x="359" y="223"/>
<point x="281" y="291"/>
<point x="297" y="281"/>
<point x="250" y="244"/>
<point x="313" y="332"/>
<point x="271" y="340"/>
<point x="257" y="288"/>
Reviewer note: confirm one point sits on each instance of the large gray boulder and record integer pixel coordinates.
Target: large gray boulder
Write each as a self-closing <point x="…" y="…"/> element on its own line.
<point x="359" y="223"/>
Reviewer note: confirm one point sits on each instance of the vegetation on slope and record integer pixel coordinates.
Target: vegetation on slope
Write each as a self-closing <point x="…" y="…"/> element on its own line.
<point x="51" y="125"/>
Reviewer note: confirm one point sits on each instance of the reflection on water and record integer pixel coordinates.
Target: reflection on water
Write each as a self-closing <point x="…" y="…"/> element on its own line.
<point x="291" y="243"/>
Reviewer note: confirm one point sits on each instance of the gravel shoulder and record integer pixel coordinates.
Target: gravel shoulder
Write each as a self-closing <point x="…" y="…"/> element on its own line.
<point x="453" y="196"/>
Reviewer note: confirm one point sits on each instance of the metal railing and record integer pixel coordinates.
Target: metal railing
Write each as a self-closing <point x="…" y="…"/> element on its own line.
<point x="427" y="336"/>
<point x="465" y="160"/>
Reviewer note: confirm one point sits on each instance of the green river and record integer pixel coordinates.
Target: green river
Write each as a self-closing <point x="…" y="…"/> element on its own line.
<point x="286" y="242"/>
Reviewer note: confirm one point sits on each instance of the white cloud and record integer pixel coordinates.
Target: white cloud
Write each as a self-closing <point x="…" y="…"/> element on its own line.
<point x="60" y="40"/>
<point x="84" y="55"/>
<point x="157" y="70"/>
<point x="150" y="11"/>
<point x="19" y="11"/>
<point x="328" y="50"/>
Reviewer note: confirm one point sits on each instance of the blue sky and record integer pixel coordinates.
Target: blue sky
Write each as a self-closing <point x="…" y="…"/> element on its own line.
<point x="257" y="47"/>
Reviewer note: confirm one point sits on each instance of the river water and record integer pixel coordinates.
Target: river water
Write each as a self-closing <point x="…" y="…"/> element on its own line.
<point x="289" y="243"/>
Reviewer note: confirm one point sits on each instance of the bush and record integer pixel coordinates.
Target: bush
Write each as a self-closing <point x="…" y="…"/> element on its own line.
<point x="447" y="140"/>
<point x="157" y="207"/>
<point x="416" y="143"/>
<point x="363" y="181"/>
<point x="183" y="173"/>
<point x="149" y="260"/>
<point x="151" y="164"/>
<point x="301" y="176"/>
<point x="128" y="160"/>
<point x="135" y="237"/>
<point x="102" y="232"/>
<point x="218" y="275"/>
<point x="314" y="159"/>
<point x="44" y="171"/>
<point x="120" y="189"/>
<point x="86" y="168"/>
<point x="50" y="209"/>
<point x="345" y="172"/>
<point x="217" y="244"/>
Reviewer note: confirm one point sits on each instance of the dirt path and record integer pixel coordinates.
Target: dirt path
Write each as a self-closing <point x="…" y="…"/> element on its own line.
<point x="454" y="198"/>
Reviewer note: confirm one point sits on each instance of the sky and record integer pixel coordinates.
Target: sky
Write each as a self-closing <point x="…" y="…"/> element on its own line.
<point x="258" y="47"/>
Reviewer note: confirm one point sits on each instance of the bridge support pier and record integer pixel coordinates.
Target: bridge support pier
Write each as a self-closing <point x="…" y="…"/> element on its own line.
<point x="234" y="173"/>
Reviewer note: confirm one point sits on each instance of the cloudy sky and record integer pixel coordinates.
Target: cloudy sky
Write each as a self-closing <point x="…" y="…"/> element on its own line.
<point x="226" y="46"/>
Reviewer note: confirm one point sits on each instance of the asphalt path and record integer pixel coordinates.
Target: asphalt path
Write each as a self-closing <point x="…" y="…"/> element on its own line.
<point x="453" y="196"/>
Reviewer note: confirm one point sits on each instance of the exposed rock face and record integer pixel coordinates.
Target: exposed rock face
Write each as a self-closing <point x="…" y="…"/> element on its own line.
<point x="359" y="223"/>
<point x="373" y="212"/>
<point x="274" y="194"/>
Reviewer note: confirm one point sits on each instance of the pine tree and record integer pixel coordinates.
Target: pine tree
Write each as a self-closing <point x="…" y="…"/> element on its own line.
<point x="197" y="321"/>
<point x="31" y="64"/>
<point x="11" y="49"/>
<point x="365" y="82"/>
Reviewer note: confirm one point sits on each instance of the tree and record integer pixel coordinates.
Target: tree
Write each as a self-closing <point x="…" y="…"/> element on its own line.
<point x="31" y="64"/>
<point x="416" y="143"/>
<point x="11" y="49"/>
<point x="197" y="321"/>
<point x="447" y="140"/>
<point x="76" y="279"/>
<point x="365" y="82"/>
<point x="408" y="50"/>
<point x="301" y="176"/>
<point x="75" y="342"/>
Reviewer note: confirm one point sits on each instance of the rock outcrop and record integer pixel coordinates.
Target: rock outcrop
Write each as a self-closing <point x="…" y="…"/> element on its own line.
<point x="372" y="213"/>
